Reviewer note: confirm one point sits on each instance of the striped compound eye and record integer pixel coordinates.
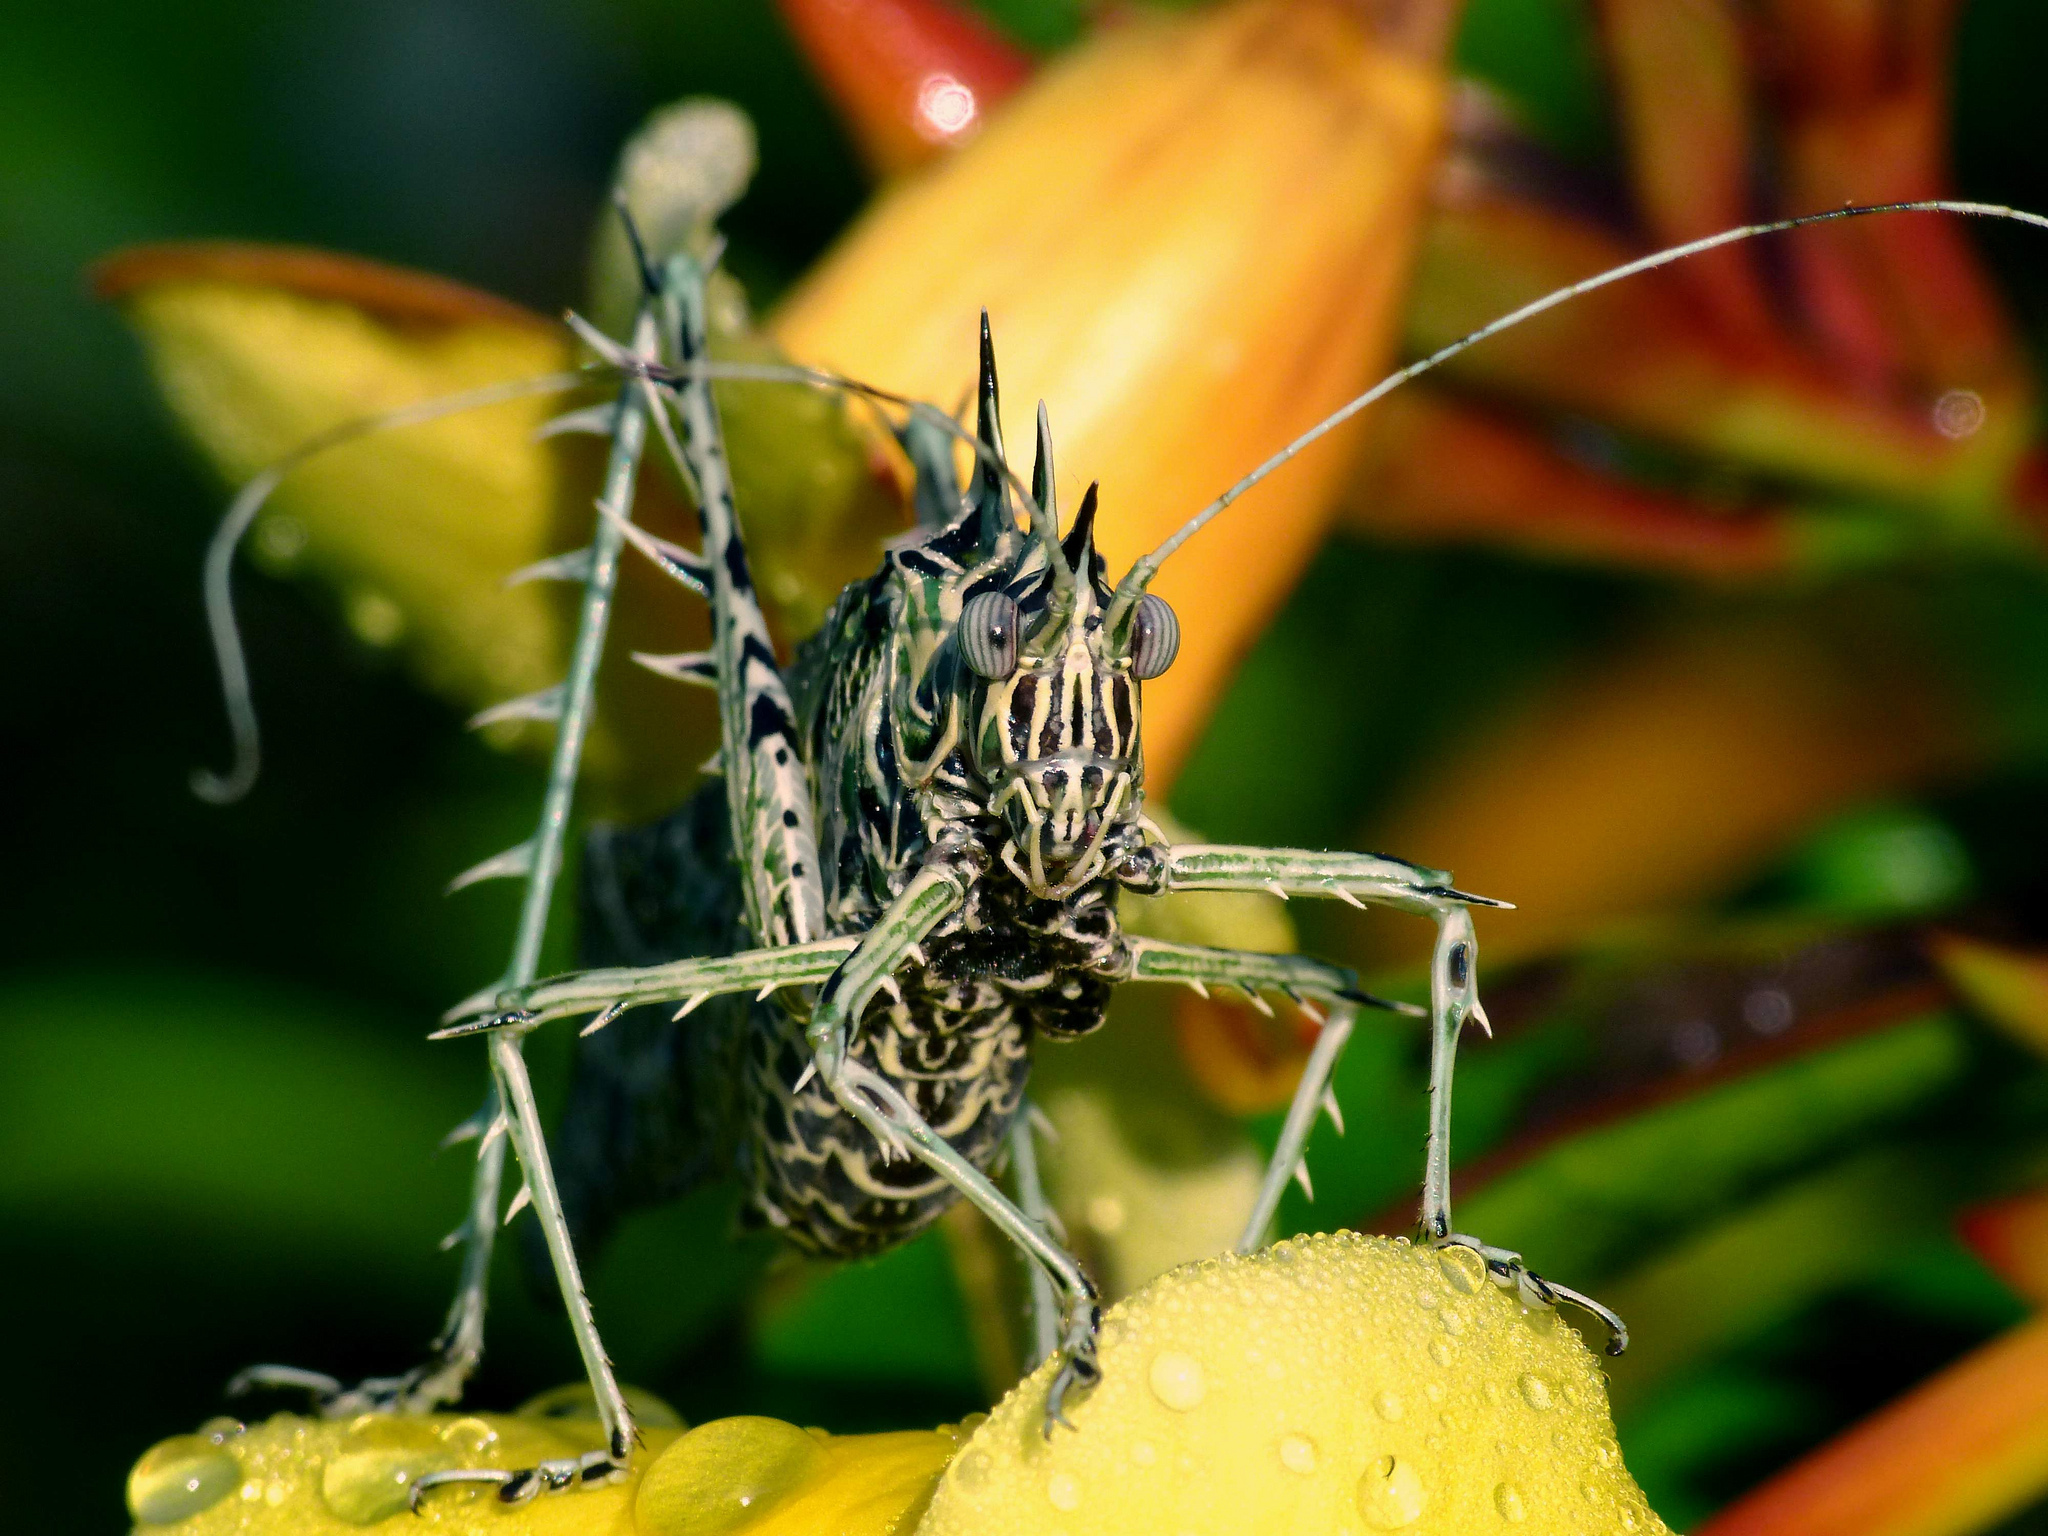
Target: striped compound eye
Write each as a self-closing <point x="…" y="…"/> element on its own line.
<point x="1157" y="640"/>
<point x="988" y="634"/>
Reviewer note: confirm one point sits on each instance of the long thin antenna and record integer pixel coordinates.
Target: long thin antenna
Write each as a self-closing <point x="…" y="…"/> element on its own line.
<point x="230" y="659"/>
<point x="1132" y="587"/>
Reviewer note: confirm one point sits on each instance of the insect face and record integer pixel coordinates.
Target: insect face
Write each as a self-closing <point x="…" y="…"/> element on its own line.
<point x="1056" y="738"/>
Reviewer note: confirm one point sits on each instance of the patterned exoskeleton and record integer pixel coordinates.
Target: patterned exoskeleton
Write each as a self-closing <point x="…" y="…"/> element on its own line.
<point x="904" y="875"/>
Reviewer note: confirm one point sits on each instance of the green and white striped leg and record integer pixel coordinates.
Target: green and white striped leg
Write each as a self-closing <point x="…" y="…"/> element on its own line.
<point x="936" y="890"/>
<point x="1031" y="1200"/>
<point x="1364" y="879"/>
<point x="610" y="991"/>
<point x="540" y="860"/>
<point x="1361" y="879"/>
<point x="537" y="862"/>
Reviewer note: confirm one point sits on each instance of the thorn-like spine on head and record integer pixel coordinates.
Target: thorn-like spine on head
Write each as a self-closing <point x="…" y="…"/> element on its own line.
<point x="1043" y="491"/>
<point x="987" y="492"/>
<point x="1078" y="547"/>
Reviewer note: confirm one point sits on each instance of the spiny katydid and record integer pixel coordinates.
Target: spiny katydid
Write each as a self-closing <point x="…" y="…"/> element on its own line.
<point x="904" y="872"/>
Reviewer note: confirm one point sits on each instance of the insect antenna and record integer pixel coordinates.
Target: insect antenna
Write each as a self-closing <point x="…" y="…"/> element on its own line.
<point x="230" y="658"/>
<point x="1124" y="605"/>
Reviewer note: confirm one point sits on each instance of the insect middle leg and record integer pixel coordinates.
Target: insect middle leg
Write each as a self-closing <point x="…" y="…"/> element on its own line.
<point x="1370" y="879"/>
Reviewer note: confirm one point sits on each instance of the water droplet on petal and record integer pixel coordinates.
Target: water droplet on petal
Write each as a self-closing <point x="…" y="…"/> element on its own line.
<point x="1062" y="1492"/>
<point x="1144" y="1454"/>
<point x="1298" y="1454"/>
<point x="180" y="1477"/>
<point x="1507" y="1498"/>
<point x="469" y="1435"/>
<point x="1535" y="1391"/>
<point x="723" y="1473"/>
<point x="1464" y="1271"/>
<point x="1453" y="1321"/>
<point x="1440" y="1351"/>
<point x="971" y="1470"/>
<point x="221" y="1430"/>
<point x="1177" y="1380"/>
<point x="1387" y="1406"/>
<point x="363" y="1487"/>
<point x="1391" y="1495"/>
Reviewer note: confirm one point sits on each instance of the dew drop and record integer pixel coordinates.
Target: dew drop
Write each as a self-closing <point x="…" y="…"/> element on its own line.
<point x="1535" y="1391"/>
<point x="363" y="1487"/>
<point x="221" y="1430"/>
<point x="1464" y="1271"/>
<point x="1387" y="1405"/>
<point x="1176" y="1380"/>
<point x="1453" y="1321"/>
<point x="180" y="1477"/>
<point x="1434" y="1391"/>
<point x="1144" y="1454"/>
<point x="1427" y="1298"/>
<point x="723" y="1473"/>
<point x="1298" y="1454"/>
<point x="1591" y="1493"/>
<point x="1062" y="1492"/>
<point x="972" y="1470"/>
<point x="469" y="1435"/>
<point x="1440" y="1351"/>
<point x="1628" y="1520"/>
<point x="1540" y="1319"/>
<point x="1507" y="1499"/>
<point x="1604" y="1454"/>
<point x="1391" y="1495"/>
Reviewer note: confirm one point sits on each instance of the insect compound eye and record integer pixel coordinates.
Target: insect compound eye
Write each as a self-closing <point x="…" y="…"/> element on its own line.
<point x="1157" y="640"/>
<point x="988" y="633"/>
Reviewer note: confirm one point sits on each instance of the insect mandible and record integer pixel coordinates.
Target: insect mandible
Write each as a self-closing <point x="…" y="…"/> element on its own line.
<point x="915" y="842"/>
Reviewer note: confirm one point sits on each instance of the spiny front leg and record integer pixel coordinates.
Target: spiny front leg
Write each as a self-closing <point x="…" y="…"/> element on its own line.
<point x="1360" y="879"/>
<point x="878" y="1104"/>
<point x="609" y="991"/>
<point x="1363" y="879"/>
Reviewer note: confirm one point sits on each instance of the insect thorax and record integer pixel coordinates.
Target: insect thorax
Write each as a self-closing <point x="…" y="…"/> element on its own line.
<point x="876" y="694"/>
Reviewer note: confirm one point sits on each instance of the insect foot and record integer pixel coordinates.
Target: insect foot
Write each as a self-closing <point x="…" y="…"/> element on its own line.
<point x="591" y="1470"/>
<point x="1079" y="1366"/>
<point x="1506" y="1270"/>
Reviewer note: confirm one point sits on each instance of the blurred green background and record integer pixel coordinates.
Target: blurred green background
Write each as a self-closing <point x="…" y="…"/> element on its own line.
<point x="217" y="1111"/>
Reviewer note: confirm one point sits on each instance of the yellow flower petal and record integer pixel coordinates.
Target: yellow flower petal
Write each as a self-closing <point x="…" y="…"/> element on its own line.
<point x="258" y="349"/>
<point x="762" y="1477"/>
<point x="1330" y="1384"/>
<point x="1191" y="234"/>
